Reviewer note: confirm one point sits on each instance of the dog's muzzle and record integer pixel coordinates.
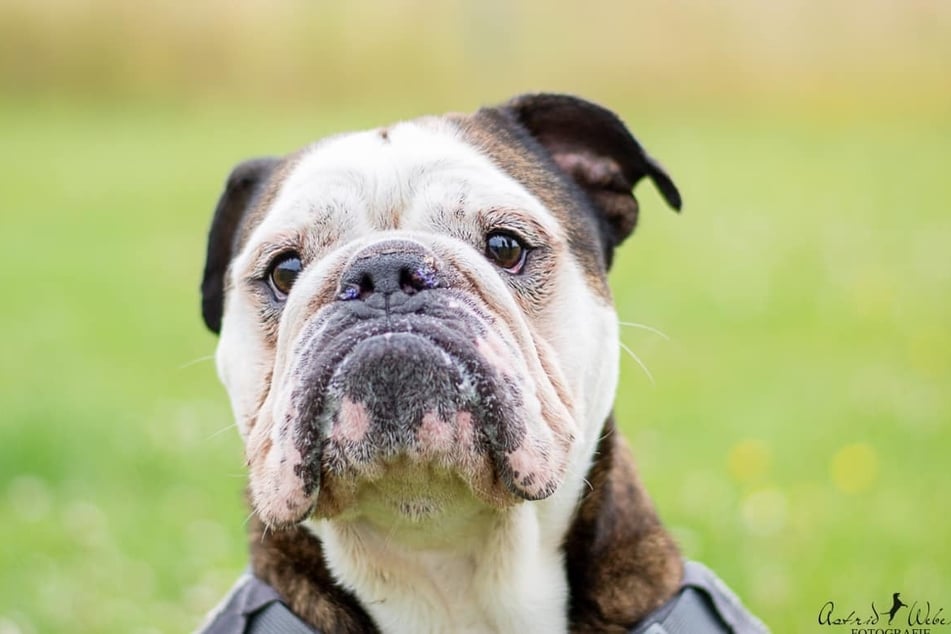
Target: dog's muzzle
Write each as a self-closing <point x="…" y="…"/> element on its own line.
<point x="403" y="368"/>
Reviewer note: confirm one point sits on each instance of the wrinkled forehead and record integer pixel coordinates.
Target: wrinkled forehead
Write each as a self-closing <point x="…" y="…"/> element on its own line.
<point x="405" y="176"/>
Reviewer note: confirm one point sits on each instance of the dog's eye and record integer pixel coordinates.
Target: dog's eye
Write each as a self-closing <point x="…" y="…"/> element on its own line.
<point x="283" y="274"/>
<point x="506" y="251"/>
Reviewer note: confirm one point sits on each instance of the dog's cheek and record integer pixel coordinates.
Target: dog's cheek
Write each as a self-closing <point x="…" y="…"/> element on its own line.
<point x="535" y="464"/>
<point x="244" y="363"/>
<point x="278" y="492"/>
<point x="580" y="332"/>
<point x="534" y="460"/>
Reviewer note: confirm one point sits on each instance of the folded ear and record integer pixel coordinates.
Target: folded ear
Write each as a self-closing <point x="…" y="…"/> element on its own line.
<point x="244" y="185"/>
<point x="593" y="146"/>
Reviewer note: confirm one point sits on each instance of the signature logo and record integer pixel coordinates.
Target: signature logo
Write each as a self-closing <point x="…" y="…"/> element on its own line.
<point x="918" y="617"/>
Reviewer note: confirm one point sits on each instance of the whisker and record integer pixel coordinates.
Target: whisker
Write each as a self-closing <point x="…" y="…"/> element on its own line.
<point x="637" y="359"/>
<point x="389" y="536"/>
<point x="634" y="324"/>
<point x="188" y="364"/>
<point x="220" y="431"/>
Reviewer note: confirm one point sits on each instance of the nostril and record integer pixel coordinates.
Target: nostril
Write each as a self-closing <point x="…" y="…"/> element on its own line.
<point x="359" y="290"/>
<point x="406" y="283"/>
<point x="385" y="275"/>
<point x="418" y="278"/>
<point x="409" y="282"/>
<point x="366" y="285"/>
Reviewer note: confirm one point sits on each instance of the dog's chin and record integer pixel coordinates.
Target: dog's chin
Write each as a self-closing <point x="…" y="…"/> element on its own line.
<point x="413" y="502"/>
<point x="405" y="491"/>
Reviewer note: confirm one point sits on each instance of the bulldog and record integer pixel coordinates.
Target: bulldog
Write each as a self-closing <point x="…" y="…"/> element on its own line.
<point x="421" y="352"/>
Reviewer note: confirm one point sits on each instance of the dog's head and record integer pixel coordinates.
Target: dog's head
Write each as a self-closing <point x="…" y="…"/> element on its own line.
<point x="417" y="317"/>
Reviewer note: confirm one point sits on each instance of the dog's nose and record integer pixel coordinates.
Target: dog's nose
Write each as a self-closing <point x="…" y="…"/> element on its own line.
<point x="385" y="274"/>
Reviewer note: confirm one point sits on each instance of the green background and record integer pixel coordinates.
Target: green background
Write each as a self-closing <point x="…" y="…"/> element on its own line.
<point x="796" y="437"/>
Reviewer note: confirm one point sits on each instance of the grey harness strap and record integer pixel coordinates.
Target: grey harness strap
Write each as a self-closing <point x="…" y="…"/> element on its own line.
<point x="253" y="607"/>
<point x="704" y="605"/>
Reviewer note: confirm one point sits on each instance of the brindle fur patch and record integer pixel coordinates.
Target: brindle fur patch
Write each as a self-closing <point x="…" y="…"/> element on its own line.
<point x="516" y="152"/>
<point x="292" y="561"/>
<point x="621" y="562"/>
<point x="266" y="199"/>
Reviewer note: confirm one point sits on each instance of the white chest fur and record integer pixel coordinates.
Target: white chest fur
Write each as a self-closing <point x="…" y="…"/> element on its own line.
<point x="509" y="578"/>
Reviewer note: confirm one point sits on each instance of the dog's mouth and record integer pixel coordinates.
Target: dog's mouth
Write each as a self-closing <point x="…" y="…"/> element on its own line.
<point x="424" y="403"/>
<point x="404" y="395"/>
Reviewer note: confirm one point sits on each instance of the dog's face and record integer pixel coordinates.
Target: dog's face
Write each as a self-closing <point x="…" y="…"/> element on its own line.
<point x="415" y="320"/>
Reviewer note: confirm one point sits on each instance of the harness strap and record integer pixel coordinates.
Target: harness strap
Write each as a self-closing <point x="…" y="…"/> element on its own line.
<point x="704" y="605"/>
<point x="253" y="607"/>
<point x="276" y="618"/>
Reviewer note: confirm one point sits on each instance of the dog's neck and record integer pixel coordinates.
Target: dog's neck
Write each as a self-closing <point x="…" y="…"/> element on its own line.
<point x="516" y="571"/>
<point x="501" y="573"/>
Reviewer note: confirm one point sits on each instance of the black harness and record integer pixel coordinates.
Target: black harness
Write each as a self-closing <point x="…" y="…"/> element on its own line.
<point x="703" y="605"/>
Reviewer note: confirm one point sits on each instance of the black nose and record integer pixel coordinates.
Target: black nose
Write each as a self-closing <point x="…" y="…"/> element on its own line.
<point x="386" y="274"/>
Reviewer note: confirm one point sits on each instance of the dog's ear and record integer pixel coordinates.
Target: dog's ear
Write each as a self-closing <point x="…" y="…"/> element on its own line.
<point x="593" y="146"/>
<point x="244" y="185"/>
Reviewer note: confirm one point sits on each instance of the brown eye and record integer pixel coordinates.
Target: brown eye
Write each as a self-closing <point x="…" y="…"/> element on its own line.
<point x="506" y="251"/>
<point x="284" y="272"/>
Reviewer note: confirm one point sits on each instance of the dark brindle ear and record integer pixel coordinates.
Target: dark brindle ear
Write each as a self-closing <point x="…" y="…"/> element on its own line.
<point x="592" y="145"/>
<point x="245" y="183"/>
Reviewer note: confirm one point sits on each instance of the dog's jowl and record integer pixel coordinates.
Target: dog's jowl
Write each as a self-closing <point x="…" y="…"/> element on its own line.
<point x="419" y="344"/>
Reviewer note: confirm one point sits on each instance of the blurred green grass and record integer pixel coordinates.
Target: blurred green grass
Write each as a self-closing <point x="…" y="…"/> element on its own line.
<point x="796" y="438"/>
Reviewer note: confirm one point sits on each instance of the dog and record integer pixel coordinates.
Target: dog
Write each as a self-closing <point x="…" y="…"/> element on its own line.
<point x="897" y="604"/>
<point x="420" y="348"/>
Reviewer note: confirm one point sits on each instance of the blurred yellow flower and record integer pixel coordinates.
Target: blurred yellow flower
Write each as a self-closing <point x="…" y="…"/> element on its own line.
<point x="748" y="461"/>
<point x="854" y="468"/>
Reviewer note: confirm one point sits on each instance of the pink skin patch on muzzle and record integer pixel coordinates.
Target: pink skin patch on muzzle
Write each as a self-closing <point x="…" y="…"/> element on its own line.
<point x="353" y="423"/>
<point x="276" y="490"/>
